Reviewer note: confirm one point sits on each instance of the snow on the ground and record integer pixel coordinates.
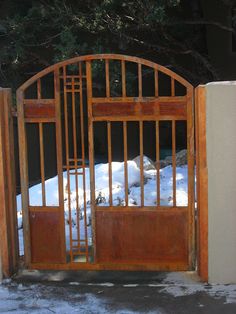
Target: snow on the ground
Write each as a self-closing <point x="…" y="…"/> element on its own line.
<point x="179" y="284"/>
<point x="44" y="299"/>
<point x="102" y="193"/>
<point x="69" y="298"/>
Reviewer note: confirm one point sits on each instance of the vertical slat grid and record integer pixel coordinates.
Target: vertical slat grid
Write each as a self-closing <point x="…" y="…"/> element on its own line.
<point x="109" y="161"/>
<point x="156" y="83"/>
<point x="125" y="161"/>
<point x="140" y="84"/>
<point x="158" y="164"/>
<point x="83" y="158"/>
<point x="39" y="89"/>
<point x="67" y="158"/>
<point x="42" y="169"/>
<point x="59" y="160"/>
<point x="174" y="160"/>
<point x="91" y="153"/>
<point x="172" y="86"/>
<point x="141" y="162"/>
<point x="107" y="78"/>
<point x="75" y="156"/>
<point x="123" y="78"/>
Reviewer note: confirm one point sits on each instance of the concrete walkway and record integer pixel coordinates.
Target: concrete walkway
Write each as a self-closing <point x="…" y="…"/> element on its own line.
<point x="114" y="292"/>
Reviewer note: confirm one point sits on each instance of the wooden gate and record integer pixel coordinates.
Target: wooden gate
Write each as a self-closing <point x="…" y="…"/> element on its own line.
<point x="70" y="101"/>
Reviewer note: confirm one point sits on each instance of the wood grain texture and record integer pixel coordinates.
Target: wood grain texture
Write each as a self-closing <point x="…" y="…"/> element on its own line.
<point x="142" y="237"/>
<point x="91" y="153"/>
<point x="46" y="237"/>
<point x="191" y="190"/>
<point x="140" y="108"/>
<point x="202" y="182"/>
<point x="8" y="214"/>
<point x="62" y="243"/>
<point x="160" y="266"/>
<point x="11" y="177"/>
<point x="39" y="110"/>
<point x="23" y="161"/>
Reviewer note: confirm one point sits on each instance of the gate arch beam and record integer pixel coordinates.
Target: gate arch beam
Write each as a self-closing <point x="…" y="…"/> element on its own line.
<point x="118" y="57"/>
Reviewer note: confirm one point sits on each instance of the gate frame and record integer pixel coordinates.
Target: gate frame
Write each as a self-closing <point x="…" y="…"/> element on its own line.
<point x="202" y="226"/>
<point x="9" y="255"/>
<point x="189" y="99"/>
<point x="201" y="182"/>
<point x="8" y="228"/>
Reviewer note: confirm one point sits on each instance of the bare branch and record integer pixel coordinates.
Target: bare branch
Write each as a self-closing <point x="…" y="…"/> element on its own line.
<point x="201" y="22"/>
<point x="195" y="54"/>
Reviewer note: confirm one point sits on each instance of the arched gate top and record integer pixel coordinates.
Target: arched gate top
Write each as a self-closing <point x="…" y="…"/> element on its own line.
<point x="118" y="57"/>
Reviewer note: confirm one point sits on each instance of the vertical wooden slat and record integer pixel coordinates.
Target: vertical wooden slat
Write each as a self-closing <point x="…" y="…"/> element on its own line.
<point x="141" y="162"/>
<point x="158" y="164"/>
<point x="173" y="146"/>
<point x="91" y="153"/>
<point x="39" y="89"/>
<point x="83" y="159"/>
<point x="42" y="168"/>
<point x="109" y="161"/>
<point x="66" y="123"/>
<point x="125" y="161"/>
<point x="123" y="78"/>
<point x="140" y="84"/>
<point x="107" y="78"/>
<point x="23" y="158"/>
<point x="174" y="160"/>
<point x="202" y="181"/>
<point x="172" y="86"/>
<point x="190" y="154"/>
<point x="59" y="160"/>
<point x="140" y="92"/>
<point x="156" y="83"/>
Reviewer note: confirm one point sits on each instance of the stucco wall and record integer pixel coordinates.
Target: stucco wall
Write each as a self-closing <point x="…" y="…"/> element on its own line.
<point x="221" y="159"/>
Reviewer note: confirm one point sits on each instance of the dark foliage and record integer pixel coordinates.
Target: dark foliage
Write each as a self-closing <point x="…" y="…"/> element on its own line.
<point x="35" y="34"/>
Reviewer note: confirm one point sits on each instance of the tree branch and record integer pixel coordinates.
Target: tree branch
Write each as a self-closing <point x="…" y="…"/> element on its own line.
<point x="201" y="22"/>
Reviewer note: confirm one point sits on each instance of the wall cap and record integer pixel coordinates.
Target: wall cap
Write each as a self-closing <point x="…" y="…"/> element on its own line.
<point x="222" y="83"/>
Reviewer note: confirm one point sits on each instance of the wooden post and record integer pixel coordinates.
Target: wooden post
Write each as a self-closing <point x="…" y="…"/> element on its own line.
<point x="8" y="212"/>
<point x="202" y="182"/>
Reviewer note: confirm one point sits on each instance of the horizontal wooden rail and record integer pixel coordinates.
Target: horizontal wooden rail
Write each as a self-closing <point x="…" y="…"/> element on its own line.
<point x="139" y="208"/>
<point x="124" y="118"/>
<point x="140" y="109"/>
<point x="161" y="99"/>
<point x="39" y="108"/>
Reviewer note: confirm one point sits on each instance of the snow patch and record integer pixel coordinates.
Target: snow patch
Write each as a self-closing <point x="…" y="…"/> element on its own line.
<point x="179" y="284"/>
<point x="131" y="285"/>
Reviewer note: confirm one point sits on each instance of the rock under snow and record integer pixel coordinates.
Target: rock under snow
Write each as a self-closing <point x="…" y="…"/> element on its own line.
<point x="181" y="159"/>
<point x="148" y="164"/>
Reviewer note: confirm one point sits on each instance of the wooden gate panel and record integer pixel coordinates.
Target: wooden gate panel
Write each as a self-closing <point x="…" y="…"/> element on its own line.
<point x="129" y="235"/>
<point x="46" y="235"/>
<point x="142" y="236"/>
